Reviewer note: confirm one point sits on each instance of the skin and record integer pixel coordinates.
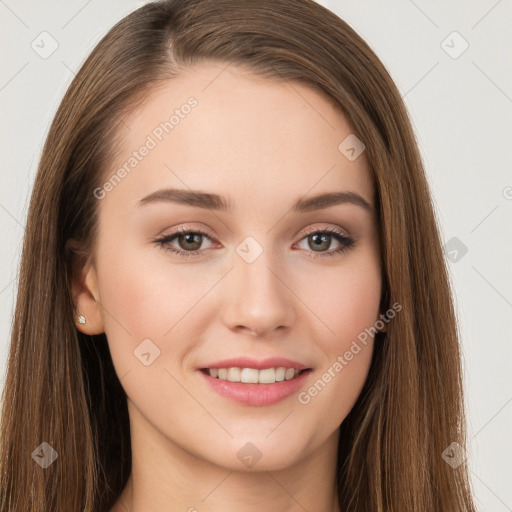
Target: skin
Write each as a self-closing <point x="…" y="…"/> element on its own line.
<point x="263" y="144"/>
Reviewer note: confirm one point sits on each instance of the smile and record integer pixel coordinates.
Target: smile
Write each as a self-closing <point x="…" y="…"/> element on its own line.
<point x="253" y="375"/>
<point x="250" y="391"/>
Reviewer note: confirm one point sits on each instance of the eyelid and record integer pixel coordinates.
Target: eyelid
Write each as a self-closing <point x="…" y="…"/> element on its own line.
<point x="164" y="239"/>
<point x="331" y="229"/>
<point x="346" y="242"/>
<point x="302" y="233"/>
<point x="182" y="230"/>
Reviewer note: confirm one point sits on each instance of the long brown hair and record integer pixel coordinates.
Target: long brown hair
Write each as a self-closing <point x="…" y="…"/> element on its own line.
<point x="61" y="386"/>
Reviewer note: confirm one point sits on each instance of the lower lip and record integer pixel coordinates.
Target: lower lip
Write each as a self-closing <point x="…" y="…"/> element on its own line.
<point x="256" y="394"/>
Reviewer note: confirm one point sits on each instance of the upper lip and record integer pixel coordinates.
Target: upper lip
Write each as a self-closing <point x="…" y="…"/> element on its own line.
<point x="258" y="364"/>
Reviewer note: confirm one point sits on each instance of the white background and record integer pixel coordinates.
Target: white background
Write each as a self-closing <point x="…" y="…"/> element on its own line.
<point x="460" y="109"/>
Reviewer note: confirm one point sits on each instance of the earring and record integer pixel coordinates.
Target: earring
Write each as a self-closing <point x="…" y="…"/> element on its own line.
<point x="80" y="318"/>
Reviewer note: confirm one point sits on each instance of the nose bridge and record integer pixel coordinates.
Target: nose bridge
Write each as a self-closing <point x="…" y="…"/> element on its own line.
<point x="257" y="297"/>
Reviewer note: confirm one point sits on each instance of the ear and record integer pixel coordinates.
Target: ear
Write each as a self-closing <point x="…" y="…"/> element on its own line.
<point x="84" y="290"/>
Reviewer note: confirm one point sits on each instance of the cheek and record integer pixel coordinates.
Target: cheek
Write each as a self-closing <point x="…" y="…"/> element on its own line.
<point x="348" y="307"/>
<point x="144" y="296"/>
<point x="345" y="299"/>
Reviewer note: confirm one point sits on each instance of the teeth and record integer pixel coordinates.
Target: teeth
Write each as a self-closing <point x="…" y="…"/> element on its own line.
<point x="249" y="375"/>
<point x="254" y="376"/>
<point x="280" y="374"/>
<point x="233" y="375"/>
<point x="267" y="376"/>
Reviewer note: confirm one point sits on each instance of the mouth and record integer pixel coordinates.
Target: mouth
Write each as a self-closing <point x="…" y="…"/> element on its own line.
<point x="248" y="375"/>
<point x="251" y="386"/>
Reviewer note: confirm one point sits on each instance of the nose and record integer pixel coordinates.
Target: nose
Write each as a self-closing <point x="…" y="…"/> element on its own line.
<point x="257" y="297"/>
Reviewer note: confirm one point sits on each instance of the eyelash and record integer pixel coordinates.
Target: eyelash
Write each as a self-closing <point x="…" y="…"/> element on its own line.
<point x="346" y="242"/>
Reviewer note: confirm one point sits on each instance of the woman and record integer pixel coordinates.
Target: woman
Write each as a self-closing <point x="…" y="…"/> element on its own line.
<point x="232" y="291"/>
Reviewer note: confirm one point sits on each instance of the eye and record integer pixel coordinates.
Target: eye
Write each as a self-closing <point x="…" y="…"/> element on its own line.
<point x="189" y="242"/>
<point x="320" y="240"/>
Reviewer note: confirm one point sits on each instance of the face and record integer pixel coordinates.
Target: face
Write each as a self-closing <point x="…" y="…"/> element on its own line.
<point x="248" y="267"/>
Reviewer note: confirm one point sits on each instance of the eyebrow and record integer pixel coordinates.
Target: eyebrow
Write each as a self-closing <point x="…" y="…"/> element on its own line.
<point x="217" y="202"/>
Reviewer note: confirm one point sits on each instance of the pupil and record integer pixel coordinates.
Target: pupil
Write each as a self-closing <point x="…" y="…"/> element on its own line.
<point x="318" y="240"/>
<point x="194" y="239"/>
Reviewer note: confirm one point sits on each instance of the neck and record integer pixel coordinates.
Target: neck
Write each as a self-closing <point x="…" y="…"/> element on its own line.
<point x="167" y="477"/>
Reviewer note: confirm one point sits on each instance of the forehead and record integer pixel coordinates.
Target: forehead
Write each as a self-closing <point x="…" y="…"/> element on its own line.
<point x="220" y="128"/>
